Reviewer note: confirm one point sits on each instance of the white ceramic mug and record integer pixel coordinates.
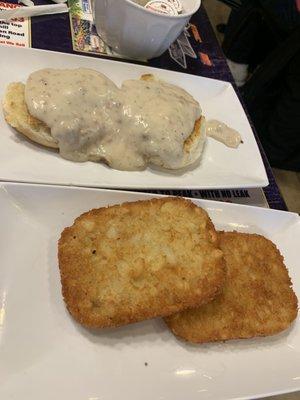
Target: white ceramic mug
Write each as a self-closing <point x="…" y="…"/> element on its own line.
<point x="134" y="31"/>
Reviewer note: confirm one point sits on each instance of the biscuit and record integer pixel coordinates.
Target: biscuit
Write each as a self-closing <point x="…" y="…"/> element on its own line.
<point x="194" y="144"/>
<point x="16" y="114"/>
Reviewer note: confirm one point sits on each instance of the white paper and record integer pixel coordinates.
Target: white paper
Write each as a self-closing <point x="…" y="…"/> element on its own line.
<point x="33" y="11"/>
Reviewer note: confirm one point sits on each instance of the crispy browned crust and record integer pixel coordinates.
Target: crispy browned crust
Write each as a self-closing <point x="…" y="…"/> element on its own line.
<point x="147" y="77"/>
<point x="195" y="135"/>
<point x="257" y="299"/>
<point x="140" y="260"/>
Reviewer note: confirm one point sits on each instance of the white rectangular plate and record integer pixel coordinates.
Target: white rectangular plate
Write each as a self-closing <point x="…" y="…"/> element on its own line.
<point x="221" y="167"/>
<point x="45" y="355"/>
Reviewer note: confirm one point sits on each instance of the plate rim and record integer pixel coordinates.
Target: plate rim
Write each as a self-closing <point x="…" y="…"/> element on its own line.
<point x="121" y="191"/>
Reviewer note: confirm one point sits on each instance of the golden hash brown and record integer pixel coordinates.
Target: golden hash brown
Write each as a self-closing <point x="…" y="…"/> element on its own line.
<point x="140" y="260"/>
<point x="257" y="299"/>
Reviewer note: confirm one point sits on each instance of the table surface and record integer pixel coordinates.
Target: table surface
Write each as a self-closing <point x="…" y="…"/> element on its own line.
<point x="54" y="33"/>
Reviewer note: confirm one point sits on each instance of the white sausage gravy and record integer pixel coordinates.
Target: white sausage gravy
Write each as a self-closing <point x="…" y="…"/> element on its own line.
<point x="223" y="133"/>
<point x="144" y="122"/>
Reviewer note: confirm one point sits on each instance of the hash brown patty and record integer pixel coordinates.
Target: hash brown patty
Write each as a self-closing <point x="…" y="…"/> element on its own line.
<point x="140" y="260"/>
<point x="257" y="299"/>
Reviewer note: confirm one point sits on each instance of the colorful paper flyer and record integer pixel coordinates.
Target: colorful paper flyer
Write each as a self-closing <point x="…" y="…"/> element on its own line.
<point x="15" y="32"/>
<point x="84" y="35"/>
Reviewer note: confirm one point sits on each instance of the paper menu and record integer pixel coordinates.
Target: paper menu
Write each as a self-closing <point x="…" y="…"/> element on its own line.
<point x="15" y="32"/>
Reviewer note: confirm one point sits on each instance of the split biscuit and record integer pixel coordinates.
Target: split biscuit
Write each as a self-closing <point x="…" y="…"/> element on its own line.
<point x="18" y="117"/>
<point x="16" y="114"/>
